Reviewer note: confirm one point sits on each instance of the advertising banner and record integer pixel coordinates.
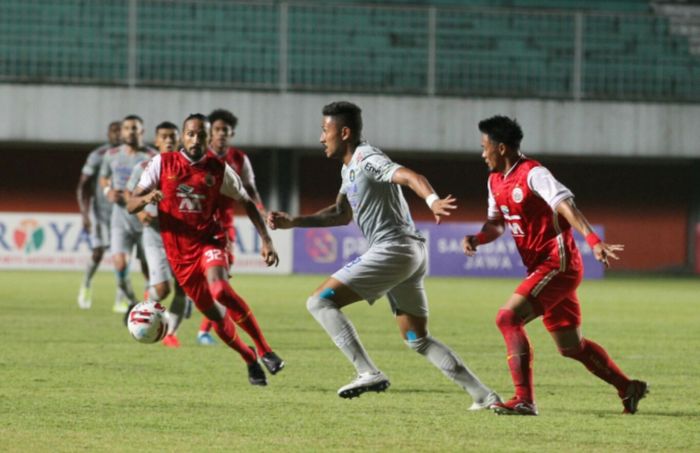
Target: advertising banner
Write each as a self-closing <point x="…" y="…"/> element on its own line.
<point x="325" y="250"/>
<point x="50" y="241"/>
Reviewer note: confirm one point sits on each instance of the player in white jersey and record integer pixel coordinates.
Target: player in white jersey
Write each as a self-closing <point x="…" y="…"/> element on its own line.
<point x="395" y="263"/>
<point x="115" y="171"/>
<point x="159" y="273"/>
<point x="95" y="211"/>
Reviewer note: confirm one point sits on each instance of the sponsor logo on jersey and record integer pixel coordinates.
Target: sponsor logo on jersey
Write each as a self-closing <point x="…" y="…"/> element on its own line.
<point x="369" y="168"/>
<point x="517" y="195"/>
<point x="351" y="177"/>
<point x="189" y="201"/>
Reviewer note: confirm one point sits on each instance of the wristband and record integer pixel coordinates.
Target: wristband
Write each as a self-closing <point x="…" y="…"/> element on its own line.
<point x="481" y="237"/>
<point x="592" y="239"/>
<point x="106" y="190"/>
<point x="430" y="199"/>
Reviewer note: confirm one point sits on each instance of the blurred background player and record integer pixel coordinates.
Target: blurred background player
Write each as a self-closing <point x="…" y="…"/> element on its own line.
<point x="223" y="129"/>
<point x="540" y="212"/>
<point x="159" y="274"/>
<point x="126" y="229"/>
<point x="186" y="186"/>
<point x="395" y="263"/>
<point x="96" y="212"/>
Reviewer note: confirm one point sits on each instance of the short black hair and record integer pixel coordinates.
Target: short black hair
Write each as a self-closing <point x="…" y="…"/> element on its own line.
<point x="224" y="115"/>
<point x="350" y="115"/>
<point x="133" y="117"/>
<point x="166" y="125"/>
<point x="502" y="129"/>
<point x="115" y="123"/>
<point x="195" y="116"/>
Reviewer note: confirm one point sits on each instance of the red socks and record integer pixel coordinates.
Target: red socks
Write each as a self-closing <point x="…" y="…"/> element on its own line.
<point x="240" y="312"/>
<point x="226" y="330"/>
<point x="598" y="362"/>
<point x="519" y="353"/>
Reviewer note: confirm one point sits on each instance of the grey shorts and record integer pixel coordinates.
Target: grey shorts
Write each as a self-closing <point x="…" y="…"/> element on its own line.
<point x="125" y="233"/>
<point x="100" y="232"/>
<point x="394" y="270"/>
<point x="158" y="266"/>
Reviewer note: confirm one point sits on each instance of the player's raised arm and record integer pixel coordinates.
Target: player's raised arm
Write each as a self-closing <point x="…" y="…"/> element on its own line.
<point x="339" y="213"/>
<point x="421" y="186"/>
<point x="602" y="250"/>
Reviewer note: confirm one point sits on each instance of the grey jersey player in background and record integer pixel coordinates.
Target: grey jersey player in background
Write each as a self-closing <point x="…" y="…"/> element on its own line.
<point x="115" y="171"/>
<point x="159" y="273"/>
<point x="96" y="211"/>
<point x="395" y="263"/>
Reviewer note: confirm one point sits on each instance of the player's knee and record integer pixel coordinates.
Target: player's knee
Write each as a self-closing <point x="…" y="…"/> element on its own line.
<point x="572" y="352"/>
<point x="420" y="345"/>
<point x="97" y="254"/>
<point x="217" y="289"/>
<point x="162" y="290"/>
<point x="315" y="304"/>
<point x="507" y="319"/>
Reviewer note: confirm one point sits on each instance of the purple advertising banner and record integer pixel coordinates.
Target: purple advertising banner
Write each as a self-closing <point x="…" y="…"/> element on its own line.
<point x="325" y="250"/>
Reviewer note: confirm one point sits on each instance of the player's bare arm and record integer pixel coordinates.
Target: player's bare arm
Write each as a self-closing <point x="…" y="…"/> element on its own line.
<point x="85" y="192"/>
<point x="336" y="214"/>
<point x="255" y="196"/>
<point x="268" y="252"/>
<point x="142" y="197"/>
<point x="601" y="250"/>
<point x="421" y="186"/>
<point x="144" y="217"/>
<point x="490" y="231"/>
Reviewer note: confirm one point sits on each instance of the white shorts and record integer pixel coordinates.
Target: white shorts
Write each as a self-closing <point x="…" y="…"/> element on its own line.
<point x="394" y="270"/>
<point x="158" y="266"/>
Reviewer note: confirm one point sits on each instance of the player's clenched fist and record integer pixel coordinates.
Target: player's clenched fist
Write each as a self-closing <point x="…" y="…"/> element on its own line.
<point x="281" y="220"/>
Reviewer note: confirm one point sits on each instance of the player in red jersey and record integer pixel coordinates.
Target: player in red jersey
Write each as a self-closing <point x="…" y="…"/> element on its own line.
<point x="223" y="126"/>
<point x="187" y="186"/>
<point x="540" y="213"/>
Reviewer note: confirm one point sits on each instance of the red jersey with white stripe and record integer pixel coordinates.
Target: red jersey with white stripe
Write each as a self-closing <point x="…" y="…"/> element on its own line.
<point x="191" y="193"/>
<point x="526" y="198"/>
<point x="238" y="160"/>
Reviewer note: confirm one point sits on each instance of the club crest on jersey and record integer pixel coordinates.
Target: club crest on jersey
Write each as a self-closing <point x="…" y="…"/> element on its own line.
<point x="351" y="176"/>
<point x="517" y="195"/>
<point x="189" y="201"/>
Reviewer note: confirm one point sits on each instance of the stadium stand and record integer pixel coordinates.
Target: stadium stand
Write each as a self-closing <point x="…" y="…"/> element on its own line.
<point x="502" y="48"/>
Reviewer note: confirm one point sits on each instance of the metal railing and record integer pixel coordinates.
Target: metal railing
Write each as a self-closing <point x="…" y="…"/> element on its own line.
<point x="443" y="51"/>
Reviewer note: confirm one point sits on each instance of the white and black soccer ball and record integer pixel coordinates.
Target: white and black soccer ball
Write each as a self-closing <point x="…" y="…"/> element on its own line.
<point x="148" y="322"/>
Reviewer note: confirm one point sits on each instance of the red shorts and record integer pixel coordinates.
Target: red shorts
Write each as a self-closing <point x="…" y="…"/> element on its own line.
<point x="553" y="295"/>
<point x="192" y="276"/>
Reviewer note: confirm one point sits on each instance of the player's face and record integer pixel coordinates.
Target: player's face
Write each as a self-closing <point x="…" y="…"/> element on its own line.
<point x="114" y="133"/>
<point x="491" y="153"/>
<point x="167" y="140"/>
<point x="221" y="133"/>
<point x="195" y="138"/>
<point x="332" y="137"/>
<point x="132" y="133"/>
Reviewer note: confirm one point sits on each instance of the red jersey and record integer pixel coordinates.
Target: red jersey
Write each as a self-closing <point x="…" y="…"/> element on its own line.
<point x="525" y="199"/>
<point x="191" y="192"/>
<point x="236" y="159"/>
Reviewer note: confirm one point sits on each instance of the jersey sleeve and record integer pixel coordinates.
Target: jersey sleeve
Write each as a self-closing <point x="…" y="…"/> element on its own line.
<point x="542" y="182"/>
<point x="92" y="165"/>
<point x="247" y="175"/>
<point x="150" y="177"/>
<point x="379" y="167"/>
<point x="493" y="213"/>
<point x="232" y="186"/>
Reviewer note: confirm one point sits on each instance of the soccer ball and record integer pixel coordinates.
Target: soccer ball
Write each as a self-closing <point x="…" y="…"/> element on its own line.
<point x="148" y="322"/>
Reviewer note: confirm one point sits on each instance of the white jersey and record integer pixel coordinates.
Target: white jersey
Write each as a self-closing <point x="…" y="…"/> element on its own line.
<point x="378" y="205"/>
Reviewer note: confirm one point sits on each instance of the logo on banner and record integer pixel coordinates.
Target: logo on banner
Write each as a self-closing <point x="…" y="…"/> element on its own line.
<point x="321" y="246"/>
<point x="28" y="236"/>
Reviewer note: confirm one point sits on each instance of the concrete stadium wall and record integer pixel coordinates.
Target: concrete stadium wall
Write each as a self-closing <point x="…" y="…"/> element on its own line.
<point x="75" y="114"/>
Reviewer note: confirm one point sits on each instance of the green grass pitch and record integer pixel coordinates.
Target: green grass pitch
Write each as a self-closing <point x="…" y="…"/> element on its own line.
<point x="73" y="380"/>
